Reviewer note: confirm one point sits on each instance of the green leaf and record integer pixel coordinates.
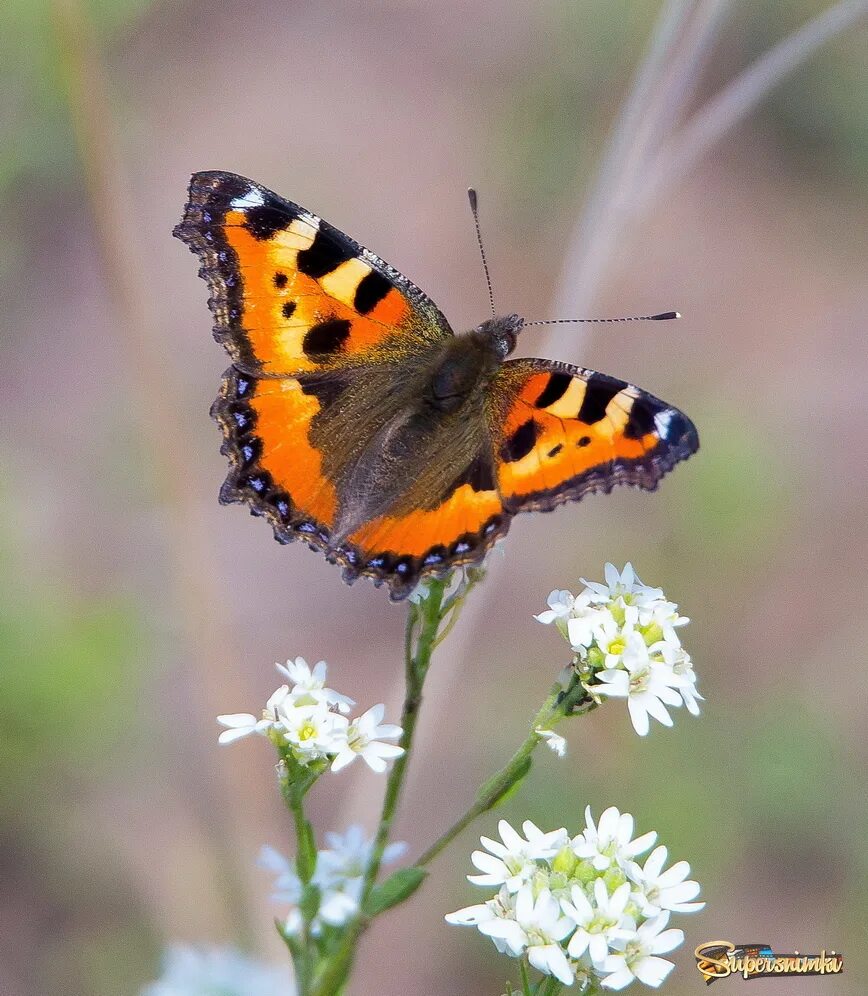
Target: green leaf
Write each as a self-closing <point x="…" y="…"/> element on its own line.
<point x="504" y="785"/>
<point x="289" y="940"/>
<point x="394" y="890"/>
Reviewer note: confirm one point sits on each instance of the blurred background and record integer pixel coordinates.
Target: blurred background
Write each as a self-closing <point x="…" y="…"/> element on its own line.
<point x="134" y="609"/>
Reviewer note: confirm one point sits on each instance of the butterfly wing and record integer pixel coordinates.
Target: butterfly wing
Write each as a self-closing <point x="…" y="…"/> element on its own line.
<point x="281" y="434"/>
<point x="290" y="293"/>
<point x="561" y="432"/>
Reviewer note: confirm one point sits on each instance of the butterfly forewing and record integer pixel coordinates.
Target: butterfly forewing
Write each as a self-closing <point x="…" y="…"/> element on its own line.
<point x="292" y="294"/>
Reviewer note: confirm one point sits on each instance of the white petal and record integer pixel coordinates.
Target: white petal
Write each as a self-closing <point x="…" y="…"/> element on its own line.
<point x="581" y="904"/>
<point x="578" y="943"/>
<point x="230" y="736"/>
<point x="656" y="709"/>
<point x="376" y="749"/>
<point x="487" y="863"/>
<point x="641" y="844"/>
<point x="667" y="941"/>
<point x="495" y="846"/>
<point x="470" y="916"/>
<point x="638" y="716"/>
<point x="388" y="731"/>
<point x="655" y="861"/>
<point x="486" y="880"/>
<point x="674" y="875"/>
<point x="549" y="958"/>
<point x="235" y="720"/>
<point x="344" y="757"/>
<point x="652" y="971"/>
<point x="524" y="905"/>
<point x="509" y="836"/>
<point x="598" y="948"/>
<point x="618" y="980"/>
<point x="373" y="761"/>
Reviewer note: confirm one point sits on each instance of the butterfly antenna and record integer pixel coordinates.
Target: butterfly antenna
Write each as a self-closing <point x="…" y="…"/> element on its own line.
<point x="471" y="195"/>
<point x="664" y="316"/>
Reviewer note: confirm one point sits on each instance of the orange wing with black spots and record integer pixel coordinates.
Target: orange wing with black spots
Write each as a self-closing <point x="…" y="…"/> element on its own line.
<point x="459" y="529"/>
<point x="290" y="293"/>
<point x="278" y="470"/>
<point x="561" y="432"/>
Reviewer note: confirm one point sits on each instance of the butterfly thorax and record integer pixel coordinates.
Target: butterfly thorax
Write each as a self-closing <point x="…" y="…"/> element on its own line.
<point x="430" y="434"/>
<point x="468" y="362"/>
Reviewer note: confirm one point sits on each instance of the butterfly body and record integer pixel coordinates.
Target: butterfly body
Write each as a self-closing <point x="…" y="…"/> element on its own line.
<point x="355" y="420"/>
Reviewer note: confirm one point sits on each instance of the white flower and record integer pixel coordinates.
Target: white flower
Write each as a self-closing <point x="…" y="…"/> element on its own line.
<point x="191" y="971"/>
<point x="553" y="740"/>
<point x="501" y="907"/>
<point x="535" y="928"/>
<point x="309" y="685"/>
<point x="598" y="924"/>
<point x="625" y="586"/>
<point x="363" y="740"/>
<point x="312" y="730"/>
<point x="560" y="605"/>
<point x="658" y="890"/>
<point x="287" y="885"/>
<point x="241" y="724"/>
<point x="584" y="619"/>
<point x="546" y="911"/>
<point x="513" y="862"/>
<point x="647" y="685"/>
<point x="339" y="874"/>
<point x="348" y="854"/>
<point x="613" y="641"/>
<point x="679" y="660"/>
<point x="637" y="957"/>
<point x="609" y="841"/>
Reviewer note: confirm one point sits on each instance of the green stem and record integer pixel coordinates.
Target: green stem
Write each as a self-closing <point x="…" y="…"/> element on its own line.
<point x="552" y="711"/>
<point x="525" y="979"/>
<point x="417" y="664"/>
<point x="427" y="616"/>
<point x="552" y="987"/>
<point x="295" y="803"/>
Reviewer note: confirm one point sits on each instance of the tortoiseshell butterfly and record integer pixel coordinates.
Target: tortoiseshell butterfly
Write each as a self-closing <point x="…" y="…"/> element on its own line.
<point x="356" y="420"/>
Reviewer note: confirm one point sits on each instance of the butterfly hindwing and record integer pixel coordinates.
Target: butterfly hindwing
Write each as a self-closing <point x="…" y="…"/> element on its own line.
<point x="561" y="432"/>
<point x="292" y="294"/>
<point x="282" y="435"/>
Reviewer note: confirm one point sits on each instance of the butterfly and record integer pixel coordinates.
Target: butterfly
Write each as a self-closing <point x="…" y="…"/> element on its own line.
<point x="355" y="420"/>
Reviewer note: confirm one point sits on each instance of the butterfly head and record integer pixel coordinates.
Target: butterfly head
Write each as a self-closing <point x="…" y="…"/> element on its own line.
<point x="502" y="333"/>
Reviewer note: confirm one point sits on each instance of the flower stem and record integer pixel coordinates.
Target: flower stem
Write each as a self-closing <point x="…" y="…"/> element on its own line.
<point x="303" y="956"/>
<point x="553" y="709"/>
<point x="551" y="987"/>
<point x="525" y="979"/>
<point x="428" y="615"/>
<point x="423" y="624"/>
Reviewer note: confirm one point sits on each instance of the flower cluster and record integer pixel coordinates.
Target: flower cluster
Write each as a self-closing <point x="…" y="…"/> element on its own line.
<point x="582" y="908"/>
<point x="310" y="721"/>
<point x="338" y="874"/>
<point x="625" y="639"/>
